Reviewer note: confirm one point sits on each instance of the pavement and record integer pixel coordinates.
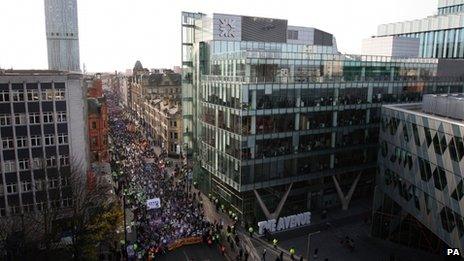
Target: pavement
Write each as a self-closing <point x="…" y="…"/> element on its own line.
<point x="327" y="240"/>
<point x="199" y="252"/>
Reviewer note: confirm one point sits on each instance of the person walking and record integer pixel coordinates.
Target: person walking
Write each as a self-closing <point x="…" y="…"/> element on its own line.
<point x="250" y="231"/>
<point x="246" y="255"/>
<point x="274" y="242"/>
<point x="281" y="256"/>
<point x="264" y="254"/>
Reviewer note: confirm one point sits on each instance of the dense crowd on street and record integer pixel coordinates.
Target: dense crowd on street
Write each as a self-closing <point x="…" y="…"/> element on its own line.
<point x="143" y="176"/>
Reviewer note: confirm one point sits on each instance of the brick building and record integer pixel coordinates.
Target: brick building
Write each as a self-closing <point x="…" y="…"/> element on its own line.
<point x="97" y="121"/>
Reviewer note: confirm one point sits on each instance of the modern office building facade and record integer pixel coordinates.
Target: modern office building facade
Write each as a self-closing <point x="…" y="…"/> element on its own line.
<point x="441" y="35"/>
<point x="418" y="197"/>
<point x="43" y="135"/>
<point x="277" y="121"/>
<point x="62" y="35"/>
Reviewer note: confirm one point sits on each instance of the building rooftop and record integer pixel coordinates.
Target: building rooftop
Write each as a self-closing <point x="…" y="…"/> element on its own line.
<point x="12" y="72"/>
<point x="443" y="107"/>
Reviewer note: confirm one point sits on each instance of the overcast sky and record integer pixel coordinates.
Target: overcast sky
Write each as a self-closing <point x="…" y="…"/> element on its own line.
<point x="116" y="33"/>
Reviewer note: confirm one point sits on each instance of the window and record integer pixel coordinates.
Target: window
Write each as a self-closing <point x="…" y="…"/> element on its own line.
<point x="20" y="118"/>
<point x="94" y="125"/>
<point x="49" y="139"/>
<point x="4" y="96"/>
<point x="34" y="118"/>
<point x="415" y="132"/>
<point x="11" y="188"/>
<point x="5" y="120"/>
<point x="48" y="117"/>
<point x="59" y="94"/>
<point x="428" y="136"/>
<point x="7" y="143"/>
<point x="447" y="219"/>
<point x="9" y="166"/>
<point x="64" y="160"/>
<point x="18" y="96"/>
<point x="51" y="162"/>
<point x="67" y="202"/>
<point x="39" y="185"/>
<point x="28" y="208"/>
<point x="405" y="133"/>
<point x="23" y="164"/>
<point x="439" y="178"/>
<point x="64" y="181"/>
<point x="53" y="183"/>
<point x="458" y="193"/>
<point x="26" y="186"/>
<point x="384" y="149"/>
<point x="32" y="95"/>
<point x="292" y="34"/>
<point x="425" y="170"/>
<point x="62" y="138"/>
<point x="61" y="116"/>
<point x="1" y="190"/>
<point x="47" y="95"/>
<point x="37" y="163"/>
<point x="94" y="141"/>
<point x="21" y="142"/>
<point x="36" y="141"/>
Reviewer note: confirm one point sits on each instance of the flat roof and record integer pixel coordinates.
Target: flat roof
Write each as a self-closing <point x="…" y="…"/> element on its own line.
<point x="416" y="109"/>
<point x="13" y="72"/>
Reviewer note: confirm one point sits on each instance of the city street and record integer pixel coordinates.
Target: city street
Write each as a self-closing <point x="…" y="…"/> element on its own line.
<point x="193" y="253"/>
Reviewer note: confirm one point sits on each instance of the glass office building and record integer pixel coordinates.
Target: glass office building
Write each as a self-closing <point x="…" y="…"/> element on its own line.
<point x="275" y="114"/>
<point x="418" y="197"/>
<point x="441" y="35"/>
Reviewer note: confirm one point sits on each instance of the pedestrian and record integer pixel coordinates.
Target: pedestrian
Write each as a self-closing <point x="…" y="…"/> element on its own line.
<point x="250" y="231"/>
<point x="264" y="254"/>
<point x="274" y="242"/>
<point x="246" y="255"/>
<point x="223" y="249"/>
<point x="281" y="256"/>
<point x="315" y="252"/>
<point x="292" y="253"/>
<point x="240" y="253"/>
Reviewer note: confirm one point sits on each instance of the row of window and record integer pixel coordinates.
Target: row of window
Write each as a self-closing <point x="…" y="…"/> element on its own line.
<point x="449" y="219"/>
<point x="32" y="95"/>
<point x="27" y="186"/>
<point x="455" y="146"/>
<point x="34" y="141"/>
<point x="32" y="118"/>
<point x="29" y="208"/>
<point x="36" y="164"/>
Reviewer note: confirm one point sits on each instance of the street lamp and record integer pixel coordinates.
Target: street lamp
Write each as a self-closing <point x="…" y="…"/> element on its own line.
<point x="309" y="240"/>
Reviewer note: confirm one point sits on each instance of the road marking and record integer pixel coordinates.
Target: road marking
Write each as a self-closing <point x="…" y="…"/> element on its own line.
<point x="186" y="256"/>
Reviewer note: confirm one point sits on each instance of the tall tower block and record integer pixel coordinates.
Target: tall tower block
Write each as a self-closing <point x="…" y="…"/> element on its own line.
<point x="62" y="35"/>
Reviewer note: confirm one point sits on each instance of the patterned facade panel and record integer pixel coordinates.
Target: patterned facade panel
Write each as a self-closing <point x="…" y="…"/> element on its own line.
<point x="422" y="170"/>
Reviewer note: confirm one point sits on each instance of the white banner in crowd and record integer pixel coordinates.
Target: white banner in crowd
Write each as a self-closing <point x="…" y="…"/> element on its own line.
<point x="153" y="203"/>
<point x="285" y="223"/>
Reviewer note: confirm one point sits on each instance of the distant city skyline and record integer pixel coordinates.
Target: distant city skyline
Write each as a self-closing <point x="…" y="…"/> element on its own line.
<point x="115" y="34"/>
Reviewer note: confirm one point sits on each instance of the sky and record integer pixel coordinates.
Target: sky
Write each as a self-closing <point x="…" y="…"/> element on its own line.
<point x="114" y="34"/>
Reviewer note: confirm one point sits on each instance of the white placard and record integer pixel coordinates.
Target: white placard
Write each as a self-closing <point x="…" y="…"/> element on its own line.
<point x="154" y="203"/>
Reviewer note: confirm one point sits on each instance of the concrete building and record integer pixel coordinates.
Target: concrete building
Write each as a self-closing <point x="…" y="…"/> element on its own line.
<point x="43" y="131"/>
<point x="392" y="46"/>
<point x="62" y="35"/>
<point x="419" y="191"/>
<point x="163" y="119"/>
<point x="440" y="35"/>
<point x="278" y="122"/>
